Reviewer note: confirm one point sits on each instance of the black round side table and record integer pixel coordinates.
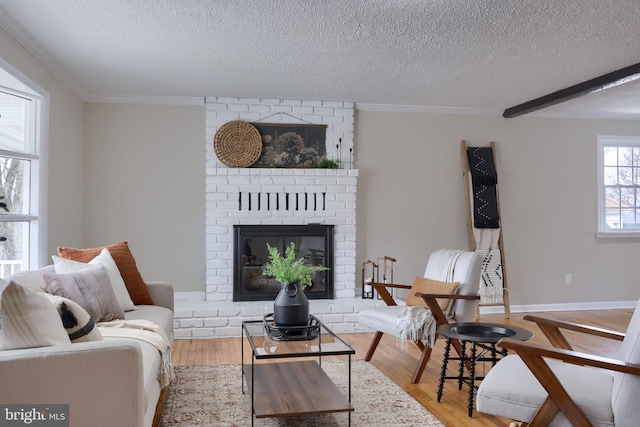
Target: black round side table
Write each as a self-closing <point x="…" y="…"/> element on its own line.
<point x="483" y="338"/>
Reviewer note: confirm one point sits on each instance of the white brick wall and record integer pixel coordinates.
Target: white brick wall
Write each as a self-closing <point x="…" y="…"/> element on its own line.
<point x="331" y="200"/>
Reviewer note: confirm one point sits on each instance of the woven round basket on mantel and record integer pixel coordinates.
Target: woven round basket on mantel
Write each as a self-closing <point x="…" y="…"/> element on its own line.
<point x="238" y="144"/>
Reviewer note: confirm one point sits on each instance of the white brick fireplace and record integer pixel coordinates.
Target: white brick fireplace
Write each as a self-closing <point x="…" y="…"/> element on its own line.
<point x="242" y="196"/>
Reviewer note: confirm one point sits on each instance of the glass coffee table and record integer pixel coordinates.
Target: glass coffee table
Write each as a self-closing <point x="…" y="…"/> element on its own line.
<point x="293" y="387"/>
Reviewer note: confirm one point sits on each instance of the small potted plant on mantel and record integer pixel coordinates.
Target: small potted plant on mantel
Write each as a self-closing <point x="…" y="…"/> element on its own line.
<point x="291" y="306"/>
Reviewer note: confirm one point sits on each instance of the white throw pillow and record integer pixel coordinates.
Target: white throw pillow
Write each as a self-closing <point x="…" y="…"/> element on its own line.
<point x="105" y="259"/>
<point x="32" y="279"/>
<point x="28" y="319"/>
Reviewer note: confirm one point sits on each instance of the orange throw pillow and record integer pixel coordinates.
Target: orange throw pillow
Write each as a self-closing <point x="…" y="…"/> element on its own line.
<point x="126" y="264"/>
<point x="428" y="286"/>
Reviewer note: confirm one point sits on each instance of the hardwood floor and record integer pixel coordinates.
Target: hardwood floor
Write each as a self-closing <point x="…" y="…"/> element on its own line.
<point x="398" y="365"/>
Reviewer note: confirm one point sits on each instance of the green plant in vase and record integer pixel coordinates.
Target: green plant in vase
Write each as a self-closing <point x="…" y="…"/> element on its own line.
<point x="291" y="307"/>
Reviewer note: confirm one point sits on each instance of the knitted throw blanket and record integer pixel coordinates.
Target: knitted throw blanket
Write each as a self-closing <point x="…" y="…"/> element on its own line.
<point x="146" y="331"/>
<point x="450" y="258"/>
<point x="416" y="323"/>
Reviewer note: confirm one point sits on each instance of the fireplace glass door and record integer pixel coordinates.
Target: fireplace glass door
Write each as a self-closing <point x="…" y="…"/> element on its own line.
<point x="314" y="243"/>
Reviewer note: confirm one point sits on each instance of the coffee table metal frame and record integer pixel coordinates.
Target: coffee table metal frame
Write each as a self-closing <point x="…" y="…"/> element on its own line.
<point x="483" y="338"/>
<point x="263" y="347"/>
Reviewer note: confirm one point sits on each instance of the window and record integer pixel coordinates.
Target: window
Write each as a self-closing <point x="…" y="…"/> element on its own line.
<point x="21" y="233"/>
<point x="618" y="186"/>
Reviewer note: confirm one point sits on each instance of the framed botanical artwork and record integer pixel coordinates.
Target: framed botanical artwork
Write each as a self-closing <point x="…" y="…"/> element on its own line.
<point x="286" y="145"/>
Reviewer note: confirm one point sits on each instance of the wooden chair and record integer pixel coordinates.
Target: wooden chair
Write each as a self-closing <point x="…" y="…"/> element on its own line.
<point x="466" y="272"/>
<point x="552" y="386"/>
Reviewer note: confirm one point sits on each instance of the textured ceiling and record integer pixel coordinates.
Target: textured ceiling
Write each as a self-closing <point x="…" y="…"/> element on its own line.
<point x="466" y="55"/>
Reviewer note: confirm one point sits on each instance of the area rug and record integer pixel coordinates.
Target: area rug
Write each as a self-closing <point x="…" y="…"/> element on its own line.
<point x="211" y="396"/>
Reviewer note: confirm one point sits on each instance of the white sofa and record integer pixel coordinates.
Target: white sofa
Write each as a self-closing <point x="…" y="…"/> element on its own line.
<point x="106" y="383"/>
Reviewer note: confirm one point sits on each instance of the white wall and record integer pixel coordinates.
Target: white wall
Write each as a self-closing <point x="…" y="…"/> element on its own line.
<point x="411" y="200"/>
<point x="65" y="148"/>
<point x="144" y="183"/>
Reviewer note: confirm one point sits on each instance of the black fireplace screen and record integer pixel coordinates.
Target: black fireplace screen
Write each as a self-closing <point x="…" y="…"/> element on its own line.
<point x="312" y="242"/>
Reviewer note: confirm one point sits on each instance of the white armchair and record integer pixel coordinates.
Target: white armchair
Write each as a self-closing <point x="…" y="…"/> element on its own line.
<point x="465" y="270"/>
<point x="556" y="386"/>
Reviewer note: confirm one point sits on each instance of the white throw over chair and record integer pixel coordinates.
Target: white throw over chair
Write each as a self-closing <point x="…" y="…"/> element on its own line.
<point x="465" y="269"/>
<point x="556" y="386"/>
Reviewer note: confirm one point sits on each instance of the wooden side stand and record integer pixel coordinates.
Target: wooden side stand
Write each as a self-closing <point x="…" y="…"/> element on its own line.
<point x="471" y="238"/>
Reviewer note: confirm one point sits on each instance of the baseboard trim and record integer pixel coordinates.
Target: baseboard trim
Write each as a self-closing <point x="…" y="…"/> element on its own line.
<point x="572" y="306"/>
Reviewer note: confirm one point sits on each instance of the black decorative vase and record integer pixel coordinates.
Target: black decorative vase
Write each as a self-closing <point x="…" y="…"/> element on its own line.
<point x="291" y="306"/>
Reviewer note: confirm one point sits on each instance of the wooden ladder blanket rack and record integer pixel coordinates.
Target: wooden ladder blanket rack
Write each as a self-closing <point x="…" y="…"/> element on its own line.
<point x="484" y="228"/>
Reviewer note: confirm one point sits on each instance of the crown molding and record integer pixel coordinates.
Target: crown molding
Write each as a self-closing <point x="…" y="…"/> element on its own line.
<point x="427" y="109"/>
<point x="156" y="100"/>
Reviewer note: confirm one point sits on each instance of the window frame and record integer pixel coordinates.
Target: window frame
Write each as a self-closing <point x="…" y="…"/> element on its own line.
<point x="609" y="141"/>
<point x="36" y="153"/>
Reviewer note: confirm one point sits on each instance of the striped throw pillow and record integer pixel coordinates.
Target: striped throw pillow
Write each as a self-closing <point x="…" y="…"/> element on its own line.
<point x="28" y="319"/>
